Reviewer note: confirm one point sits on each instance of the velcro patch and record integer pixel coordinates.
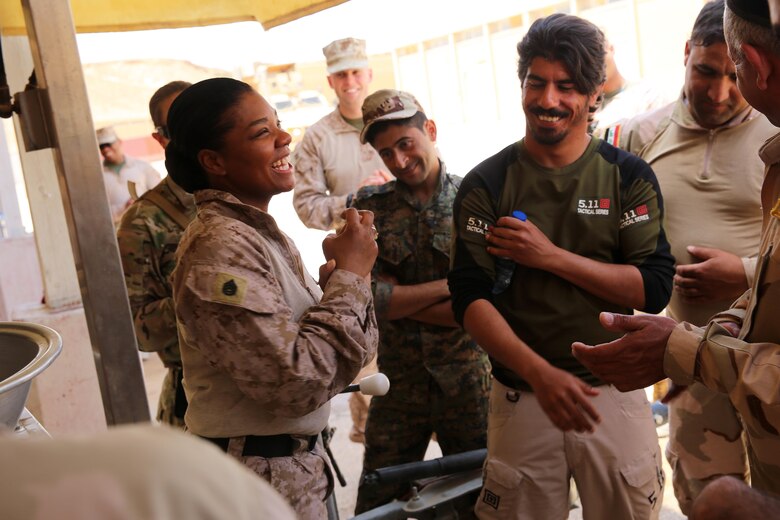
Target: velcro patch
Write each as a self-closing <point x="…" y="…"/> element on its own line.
<point x="229" y="288"/>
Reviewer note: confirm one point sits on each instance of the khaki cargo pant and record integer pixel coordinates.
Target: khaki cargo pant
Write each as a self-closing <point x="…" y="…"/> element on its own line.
<point x="617" y="469"/>
<point x="705" y="442"/>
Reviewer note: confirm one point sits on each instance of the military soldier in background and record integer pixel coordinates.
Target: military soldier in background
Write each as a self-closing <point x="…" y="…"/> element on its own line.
<point x="148" y="235"/>
<point x="330" y="162"/>
<point x="704" y="150"/>
<point x="120" y="171"/>
<point x="439" y="377"/>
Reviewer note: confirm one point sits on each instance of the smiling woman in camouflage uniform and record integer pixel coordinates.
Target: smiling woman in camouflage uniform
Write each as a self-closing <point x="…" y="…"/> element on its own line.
<point x="263" y="347"/>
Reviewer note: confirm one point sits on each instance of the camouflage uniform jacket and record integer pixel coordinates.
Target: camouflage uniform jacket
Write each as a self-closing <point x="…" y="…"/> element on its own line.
<point x="747" y="368"/>
<point x="148" y="238"/>
<point x="414" y="247"/>
<point x="263" y="348"/>
<point x="330" y="163"/>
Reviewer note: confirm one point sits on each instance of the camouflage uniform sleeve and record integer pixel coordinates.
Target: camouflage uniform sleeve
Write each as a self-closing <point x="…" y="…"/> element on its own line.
<point x="293" y="366"/>
<point x="724" y="363"/>
<point x="148" y="289"/>
<point x="315" y="207"/>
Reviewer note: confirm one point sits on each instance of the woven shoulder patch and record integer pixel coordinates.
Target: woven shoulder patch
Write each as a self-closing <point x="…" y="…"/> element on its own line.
<point x="229" y="288"/>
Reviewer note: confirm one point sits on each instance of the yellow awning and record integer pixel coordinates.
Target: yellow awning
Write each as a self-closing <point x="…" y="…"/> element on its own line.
<point x="133" y="15"/>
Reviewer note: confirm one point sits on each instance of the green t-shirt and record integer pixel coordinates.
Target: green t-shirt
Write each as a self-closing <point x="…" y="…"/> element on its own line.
<point x="605" y="206"/>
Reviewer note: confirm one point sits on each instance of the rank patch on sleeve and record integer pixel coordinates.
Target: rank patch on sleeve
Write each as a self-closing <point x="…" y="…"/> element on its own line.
<point x="229" y="288"/>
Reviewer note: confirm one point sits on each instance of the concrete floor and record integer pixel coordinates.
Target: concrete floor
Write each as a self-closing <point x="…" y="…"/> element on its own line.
<point x="350" y="455"/>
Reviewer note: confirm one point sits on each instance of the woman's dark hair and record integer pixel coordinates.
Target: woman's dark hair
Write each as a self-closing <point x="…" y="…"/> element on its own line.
<point x="198" y="120"/>
<point x="708" y="27"/>
<point x="575" y="42"/>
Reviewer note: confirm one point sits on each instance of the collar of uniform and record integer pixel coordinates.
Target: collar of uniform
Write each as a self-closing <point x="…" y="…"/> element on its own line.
<point x="683" y="117"/>
<point x="229" y="205"/>
<point x="336" y="123"/>
<point x="183" y="198"/>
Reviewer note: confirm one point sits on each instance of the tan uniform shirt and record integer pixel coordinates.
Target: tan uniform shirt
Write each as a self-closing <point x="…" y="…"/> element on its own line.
<point x="711" y="186"/>
<point x="747" y="368"/>
<point x="263" y="349"/>
<point x="330" y="163"/>
<point x="133" y="170"/>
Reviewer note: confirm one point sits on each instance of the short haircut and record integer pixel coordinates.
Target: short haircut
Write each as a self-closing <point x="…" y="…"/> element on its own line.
<point x="575" y="42"/>
<point x="708" y="27"/>
<point x="417" y="120"/>
<point x="739" y="31"/>
<point x="198" y="120"/>
<point x="161" y="95"/>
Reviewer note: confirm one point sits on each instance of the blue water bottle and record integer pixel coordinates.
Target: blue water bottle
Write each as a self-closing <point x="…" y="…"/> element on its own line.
<point x="505" y="267"/>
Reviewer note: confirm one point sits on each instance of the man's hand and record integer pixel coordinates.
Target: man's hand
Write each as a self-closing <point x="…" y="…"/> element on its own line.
<point x="718" y="276"/>
<point x="353" y="248"/>
<point x="565" y="399"/>
<point x="377" y="178"/>
<point x="520" y="241"/>
<point x="326" y="270"/>
<point x="634" y="361"/>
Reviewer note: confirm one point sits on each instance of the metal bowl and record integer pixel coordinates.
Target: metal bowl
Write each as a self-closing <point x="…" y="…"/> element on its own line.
<point x="26" y="349"/>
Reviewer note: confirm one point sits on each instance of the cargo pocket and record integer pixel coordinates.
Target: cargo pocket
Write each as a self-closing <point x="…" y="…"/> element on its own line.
<point x="633" y="404"/>
<point x="645" y="479"/>
<point x="500" y="490"/>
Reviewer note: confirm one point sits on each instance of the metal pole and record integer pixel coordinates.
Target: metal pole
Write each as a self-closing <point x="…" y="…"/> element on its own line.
<point x="52" y="37"/>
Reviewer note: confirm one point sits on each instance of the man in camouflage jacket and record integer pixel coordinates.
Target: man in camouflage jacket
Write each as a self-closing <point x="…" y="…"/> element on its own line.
<point x="439" y="376"/>
<point x="148" y="235"/>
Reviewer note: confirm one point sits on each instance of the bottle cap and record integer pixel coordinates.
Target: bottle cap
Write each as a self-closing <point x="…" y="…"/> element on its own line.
<point x="519" y="215"/>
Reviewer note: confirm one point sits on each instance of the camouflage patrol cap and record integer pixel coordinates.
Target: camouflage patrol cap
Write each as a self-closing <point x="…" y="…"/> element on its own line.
<point x="387" y="104"/>
<point x="106" y="135"/>
<point x="349" y="53"/>
<point x="755" y="11"/>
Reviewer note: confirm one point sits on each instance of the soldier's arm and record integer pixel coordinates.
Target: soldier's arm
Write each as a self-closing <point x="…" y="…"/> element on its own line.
<point x="149" y="291"/>
<point x="407" y="300"/>
<point x="437" y="314"/>
<point x="724" y="363"/>
<point x="294" y="366"/>
<point x="311" y="199"/>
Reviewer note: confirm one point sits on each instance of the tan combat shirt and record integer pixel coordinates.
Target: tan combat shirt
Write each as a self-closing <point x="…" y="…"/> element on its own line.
<point x="747" y="368"/>
<point x="263" y="348"/>
<point x="711" y="185"/>
<point x="330" y="163"/>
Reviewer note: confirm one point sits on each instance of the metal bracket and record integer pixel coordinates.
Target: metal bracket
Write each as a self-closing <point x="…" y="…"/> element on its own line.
<point x="34" y="111"/>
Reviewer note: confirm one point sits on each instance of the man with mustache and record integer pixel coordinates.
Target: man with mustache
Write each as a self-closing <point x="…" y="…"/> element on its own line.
<point x="548" y="232"/>
<point x="704" y="150"/>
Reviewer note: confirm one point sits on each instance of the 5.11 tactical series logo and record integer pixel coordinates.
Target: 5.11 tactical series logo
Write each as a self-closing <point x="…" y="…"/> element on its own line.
<point x="593" y="207"/>
<point x="601" y="207"/>
<point x="634" y="216"/>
